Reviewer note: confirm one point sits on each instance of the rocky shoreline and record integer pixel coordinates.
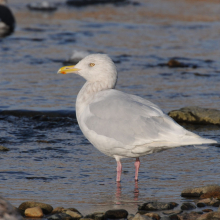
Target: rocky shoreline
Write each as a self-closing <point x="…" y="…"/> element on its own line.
<point x="196" y="115"/>
<point x="207" y="198"/>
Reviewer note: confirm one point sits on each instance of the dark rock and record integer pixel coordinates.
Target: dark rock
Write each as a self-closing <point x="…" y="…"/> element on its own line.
<point x="47" y="209"/>
<point x="202" y="74"/>
<point x="199" y="191"/>
<point x="189" y="216"/>
<point x="157" y="206"/>
<point x="197" y="115"/>
<point x="187" y="206"/>
<point x="174" y="217"/>
<point x="7" y="211"/>
<point x="165" y="218"/>
<point x="60" y="216"/>
<point x="116" y="214"/>
<point x="201" y="204"/>
<point x="2" y="148"/>
<point x="175" y="64"/>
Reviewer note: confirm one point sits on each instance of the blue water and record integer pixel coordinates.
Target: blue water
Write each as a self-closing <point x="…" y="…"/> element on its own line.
<point x="49" y="159"/>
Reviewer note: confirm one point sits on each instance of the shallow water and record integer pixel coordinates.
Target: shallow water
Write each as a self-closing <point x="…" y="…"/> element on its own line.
<point x="49" y="158"/>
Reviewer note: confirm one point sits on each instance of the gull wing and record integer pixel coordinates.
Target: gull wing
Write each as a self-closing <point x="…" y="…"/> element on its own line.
<point x="131" y="120"/>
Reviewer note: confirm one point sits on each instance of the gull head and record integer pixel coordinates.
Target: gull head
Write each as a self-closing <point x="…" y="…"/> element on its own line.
<point x="94" y="68"/>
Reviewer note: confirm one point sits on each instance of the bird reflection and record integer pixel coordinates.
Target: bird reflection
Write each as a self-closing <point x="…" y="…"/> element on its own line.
<point x="118" y="192"/>
<point x="136" y="191"/>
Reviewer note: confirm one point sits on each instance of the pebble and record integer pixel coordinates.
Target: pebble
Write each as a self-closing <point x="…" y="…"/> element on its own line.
<point x="130" y="216"/>
<point x="153" y="215"/>
<point x="96" y="216"/>
<point x="47" y="209"/>
<point x="187" y="206"/>
<point x="211" y="202"/>
<point x="2" y="148"/>
<point x="188" y="216"/>
<point x="74" y="214"/>
<point x="172" y="212"/>
<point x="175" y="63"/>
<point x="35" y="212"/>
<point x="60" y="216"/>
<point x="204" y="202"/>
<point x="116" y="214"/>
<point x="138" y="216"/>
<point x="209" y="216"/>
<point x="60" y="213"/>
<point x="72" y="209"/>
<point x="57" y="210"/>
<point x="207" y="210"/>
<point x="157" y="206"/>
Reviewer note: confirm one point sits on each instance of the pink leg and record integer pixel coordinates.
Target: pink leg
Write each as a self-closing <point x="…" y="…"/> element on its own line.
<point x="137" y="165"/>
<point x="119" y="169"/>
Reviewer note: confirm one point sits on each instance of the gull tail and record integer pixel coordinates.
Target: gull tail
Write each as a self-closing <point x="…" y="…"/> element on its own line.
<point x="154" y="147"/>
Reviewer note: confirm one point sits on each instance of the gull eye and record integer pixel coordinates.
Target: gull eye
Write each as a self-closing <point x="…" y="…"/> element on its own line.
<point x="91" y="64"/>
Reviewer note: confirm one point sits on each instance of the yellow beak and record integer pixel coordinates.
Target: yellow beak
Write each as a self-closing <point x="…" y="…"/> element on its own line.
<point x="68" y="69"/>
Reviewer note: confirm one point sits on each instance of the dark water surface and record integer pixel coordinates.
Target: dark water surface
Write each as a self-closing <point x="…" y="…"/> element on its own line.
<point x="49" y="159"/>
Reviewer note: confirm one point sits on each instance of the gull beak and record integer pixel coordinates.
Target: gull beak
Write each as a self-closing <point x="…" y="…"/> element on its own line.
<point x="68" y="69"/>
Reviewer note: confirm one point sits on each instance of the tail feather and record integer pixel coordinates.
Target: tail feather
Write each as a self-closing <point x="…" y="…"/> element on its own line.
<point x="197" y="140"/>
<point x="155" y="146"/>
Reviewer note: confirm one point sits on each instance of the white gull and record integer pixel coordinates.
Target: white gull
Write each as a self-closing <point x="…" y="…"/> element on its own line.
<point x="118" y="124"/>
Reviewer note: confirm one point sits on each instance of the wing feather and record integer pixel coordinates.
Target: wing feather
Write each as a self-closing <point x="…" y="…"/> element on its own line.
<point x="130" y="120"/>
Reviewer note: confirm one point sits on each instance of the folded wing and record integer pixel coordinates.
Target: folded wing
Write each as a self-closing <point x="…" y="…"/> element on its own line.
<point x="136" y="122"/>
